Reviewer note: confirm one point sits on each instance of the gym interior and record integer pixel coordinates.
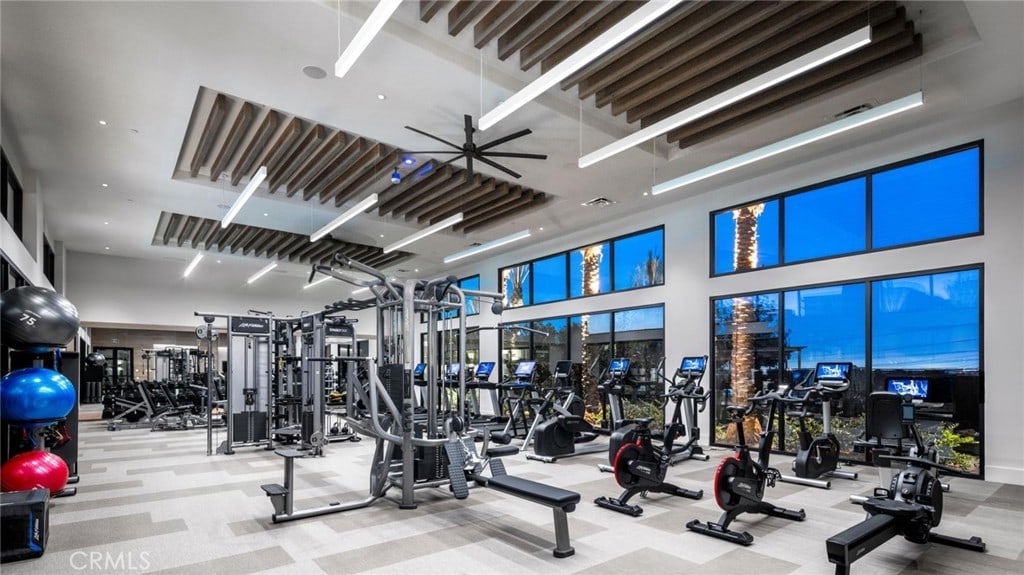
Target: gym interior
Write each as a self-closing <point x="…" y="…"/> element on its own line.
<point x="401" y="286"/>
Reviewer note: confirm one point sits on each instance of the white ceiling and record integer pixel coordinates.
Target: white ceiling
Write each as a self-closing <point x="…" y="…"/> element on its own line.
<point x="139" y="65"/>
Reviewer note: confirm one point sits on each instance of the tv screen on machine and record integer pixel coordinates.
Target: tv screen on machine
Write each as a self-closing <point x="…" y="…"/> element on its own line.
<point x="525" y="369"/>
<point x="619" y="366"/>
<point x="692" y="364"/>
<point x="484" y="369"/>
<point x="453" y="369"/>
<point x="833" y="371"/>
<point x="420" y="369"/>
<point x="915" y="388"/>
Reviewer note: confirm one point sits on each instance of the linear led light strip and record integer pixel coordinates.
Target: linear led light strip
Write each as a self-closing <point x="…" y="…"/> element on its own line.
<point x="612" y="37"/>
<point x="361" y="291"/>
<point x="317" y="282"/>
<point x="266" y="269"/>
<point x="348" y="215"/>
<point x="820" y="133"/>
<point x="250" y="189"/>
<point x="365" y="35"/>
<point x="487" y="246"/>
<point x="424" y="233"/>
<point x="192" y="265"/>
<point x="774" y="77"/>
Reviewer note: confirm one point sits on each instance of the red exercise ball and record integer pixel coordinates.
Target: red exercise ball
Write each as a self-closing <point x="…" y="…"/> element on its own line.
<point x="32" y="470"/>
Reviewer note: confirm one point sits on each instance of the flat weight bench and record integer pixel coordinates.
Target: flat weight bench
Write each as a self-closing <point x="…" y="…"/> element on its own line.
<point x="561" y="501"/>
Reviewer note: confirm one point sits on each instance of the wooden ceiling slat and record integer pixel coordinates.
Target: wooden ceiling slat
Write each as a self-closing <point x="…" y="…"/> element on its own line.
<point x="851" y="68"/>
<point x="231" y="235"/>
<point x="678" y="26"/>
<point x="214" y="121"/>
<point x="428" y="8"/>
<point x="188" y="231"/>
<point x="255" y="146"/>
<point x="288" y="248"/>
<point x="395" y="200"/>
<point x="372" y="174"/>
<point x="352" y="151"/>
<point x="255" y="240"/>
<point x="172" y="227"/>
<point x="580" y="19"/>
<point x="440" y="191"/>
<point x="316" y="164"/>
<point x="772" y="54"/>
<point x="235" y="135"/>
<point x="300" y="153"/>
<point x="502" y="15"/>
<point x="277" y="241"/>
<point x="543" y="16"/>
<point x="321" y="251"/>
<point x="202" y="229"/>
<point x="598" y="24"/>
<point x="723" y="31"/>
<point x="490" y="188"/>
<point x="247" y="233"/>
<point x="213" y="235"/>
<point x="511" y="210"/>
<point x="439" y="177"/>
<point x="456" y="198"/>
<point x="279" y="149"/>
<point x="463" y="14"/>
<point x="259" y="246"/>
<point x="513" y="195"/>
<point x="409" y="182"/>
<point x="304" y="251"/>
<point x="774" y="29"/>
<point x="365" y="161"/>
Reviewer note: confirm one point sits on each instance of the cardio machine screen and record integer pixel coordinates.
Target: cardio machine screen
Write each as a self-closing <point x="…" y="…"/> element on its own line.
<point x="484" y="369"/>
<point x="915" y="388"/>
<point x="524" y="370"/>
<point x="453" y="369"/>
<point x="619" y="367"/>
<point x="833" y="371"/>
<point x="419" y="370"/>
<point x="693" y="364"/>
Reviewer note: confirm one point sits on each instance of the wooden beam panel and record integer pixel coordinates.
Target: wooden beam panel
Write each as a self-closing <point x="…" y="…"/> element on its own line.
<point x="510" y="211"/>
<point x="580" y="19"/>
<point x="352" y="151"/>
<point x="488" y="189"/>
<point x="260" y="245"/>
<point x="752" y="43"/>
<point x="299" y="155"/>
<point x="289" y="247"/>
<point x="211" y="234"/>
<point x="544" y="15"/>
<point x="235" y="135"/>
<point x="512" y="196"/>
<point x="188" y="230"/>
<point x="428" y="8"/>
<point x="409" y="182"/>
<point x="462" y="14"/>
<point x="214" y="121"/>
<point x="861" y="64"/>
<point x="202" y="229"/>
<point x="316" y="164"/>
<point x="365" y="161"/>
<point x="373" y="173"/>
<point x="724" y="31"/>
<point x="247" y="233"/>
<point x="436" y="194"/>
<point x="233" y="232"/>
<point x="677" y="27"/>
<point x="502" y="15"/>
<point x="255" y="146"/>
<point x="276" y="242"/>
<point x="455" y="199"/>
<point x="438" y="178"/>
<point x="282" y="144"/>
<point x="172" y="227"/>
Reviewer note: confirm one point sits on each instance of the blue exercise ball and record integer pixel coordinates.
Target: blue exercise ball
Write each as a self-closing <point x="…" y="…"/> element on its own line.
<point x="35" y="394"/>
<point x="35" y="318"/>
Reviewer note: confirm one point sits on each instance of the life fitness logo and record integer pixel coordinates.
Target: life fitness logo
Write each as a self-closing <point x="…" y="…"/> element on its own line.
<point x="107" y="561"/>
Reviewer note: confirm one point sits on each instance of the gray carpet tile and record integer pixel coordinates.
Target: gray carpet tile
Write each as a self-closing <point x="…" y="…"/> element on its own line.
<point x="158" y="497"/>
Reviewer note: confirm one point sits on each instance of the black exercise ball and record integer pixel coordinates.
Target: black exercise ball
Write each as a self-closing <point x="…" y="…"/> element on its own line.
<point x="96" y="359"/>
<point x="35" y="317"/>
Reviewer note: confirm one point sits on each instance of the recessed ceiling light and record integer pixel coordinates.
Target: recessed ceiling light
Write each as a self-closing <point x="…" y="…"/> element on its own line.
<point x="382" y="235"/>
<point x="265" y="214"/>
<point x="409" y="160"/>
<point x="314" y="72"/>
<point x="218" y="261"/>
<point x="106" y="247"/>
<point x="417" y="270"/>
<point x="382" y="97"/>
<point x="105" y="185"/>
<point x="106" y="223"/>
<point x="646" y="193"/>
<point x="541" y="229"/>
<point x="103" y="122"/>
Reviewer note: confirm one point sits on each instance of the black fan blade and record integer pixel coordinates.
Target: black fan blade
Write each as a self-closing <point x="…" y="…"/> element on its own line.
<point x="442" y="140"/>
<point x="504" y="139"/>
<point x="515" y="155"/>
<point x="451" y="160"/>
<point x="498" y="166"/>
<point x="436" y="152"/>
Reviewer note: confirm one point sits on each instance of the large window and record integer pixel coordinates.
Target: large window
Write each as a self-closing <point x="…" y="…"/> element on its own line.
<point x="930" y="198"/>
<point x="49" y="260"/>
<point x="638" y="260"/>
<point x="922" y="326"/>
<point x="11" y="197"/>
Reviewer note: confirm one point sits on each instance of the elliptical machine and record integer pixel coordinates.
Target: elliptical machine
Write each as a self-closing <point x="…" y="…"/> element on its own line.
<point x="740" y="481"/>
<point x="561" y="436"/>
<point x="912" y="504"/>
<point x="818" y="457"/>
<point x="684" y="389"/>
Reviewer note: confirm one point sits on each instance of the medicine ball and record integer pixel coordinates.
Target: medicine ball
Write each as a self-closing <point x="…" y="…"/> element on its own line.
<point x="35" y="317"/>
<point x="96" y="359"/>
<point x="35" y="394"/>
<point x="34" y="470"/>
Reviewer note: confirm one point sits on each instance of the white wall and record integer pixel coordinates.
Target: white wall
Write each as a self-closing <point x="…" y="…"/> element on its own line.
<point x="688" y="289"/>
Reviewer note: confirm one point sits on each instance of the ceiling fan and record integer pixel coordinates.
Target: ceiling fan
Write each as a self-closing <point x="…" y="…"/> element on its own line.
<point x="481" y="152"/>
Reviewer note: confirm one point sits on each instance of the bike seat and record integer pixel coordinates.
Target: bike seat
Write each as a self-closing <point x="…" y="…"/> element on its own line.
<point x="736" y="410"/>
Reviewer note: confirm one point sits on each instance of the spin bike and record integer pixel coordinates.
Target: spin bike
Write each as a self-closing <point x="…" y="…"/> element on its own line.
<point x="740" y="481"/>
<point x="818" y="457"/>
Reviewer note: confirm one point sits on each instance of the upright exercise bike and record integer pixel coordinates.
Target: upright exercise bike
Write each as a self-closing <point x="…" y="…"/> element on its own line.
<point x="740" y="481"/>
<point x="819" y="456"/>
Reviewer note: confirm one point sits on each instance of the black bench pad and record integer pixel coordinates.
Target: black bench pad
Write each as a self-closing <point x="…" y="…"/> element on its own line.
<point x="533" y="491"/>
